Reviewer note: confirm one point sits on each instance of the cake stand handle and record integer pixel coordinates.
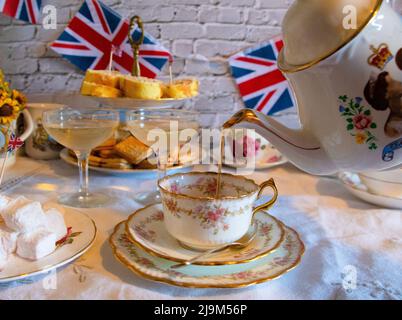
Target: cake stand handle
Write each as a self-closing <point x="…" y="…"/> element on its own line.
<point x="136" y="44"/>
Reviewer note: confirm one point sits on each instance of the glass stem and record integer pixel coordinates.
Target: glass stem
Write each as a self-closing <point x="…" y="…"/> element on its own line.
<point x="83" y="159"/>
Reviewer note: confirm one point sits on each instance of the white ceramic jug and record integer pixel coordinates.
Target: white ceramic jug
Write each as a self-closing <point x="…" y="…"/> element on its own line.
<point x="346" y="75"/>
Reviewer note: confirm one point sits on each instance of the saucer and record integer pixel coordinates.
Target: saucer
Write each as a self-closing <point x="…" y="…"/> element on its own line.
<point x="146" y="229"/>
<point x="261" y="164"/>
<point x="285" y="258"/>
<point x="353" y="183"/>
<point x="82" y="237"/>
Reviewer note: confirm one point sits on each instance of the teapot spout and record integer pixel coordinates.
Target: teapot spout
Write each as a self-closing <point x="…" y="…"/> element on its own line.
<point x="298" y="145"/>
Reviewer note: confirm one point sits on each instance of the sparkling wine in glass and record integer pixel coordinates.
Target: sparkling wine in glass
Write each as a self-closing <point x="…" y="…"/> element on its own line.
<point x="81" y="130"/>
<point x="170" y="122"/>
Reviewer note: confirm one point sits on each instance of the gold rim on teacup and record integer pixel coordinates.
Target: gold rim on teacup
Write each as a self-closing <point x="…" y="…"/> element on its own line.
<point x="201" y="263"/>
<point x="194" y="173"/>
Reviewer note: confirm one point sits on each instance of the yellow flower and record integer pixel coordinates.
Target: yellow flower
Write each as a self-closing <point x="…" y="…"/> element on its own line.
<point x="3" y="94"/>
<point x="9" y="110"/>
<point x="360" y="137"/>
<point x="20" y="98"/>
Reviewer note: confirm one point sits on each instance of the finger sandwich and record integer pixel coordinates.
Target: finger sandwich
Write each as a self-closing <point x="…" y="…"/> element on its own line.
<point x="181" y="89"/>
<point x="141" y="88"/>
<point x="103" y="77"/>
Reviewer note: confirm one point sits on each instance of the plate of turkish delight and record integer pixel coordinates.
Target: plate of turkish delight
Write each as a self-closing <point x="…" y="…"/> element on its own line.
<point x="36" y="238"/>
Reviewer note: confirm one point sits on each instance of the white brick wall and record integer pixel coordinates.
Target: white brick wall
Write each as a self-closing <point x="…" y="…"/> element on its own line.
<point x="210" y="28"/>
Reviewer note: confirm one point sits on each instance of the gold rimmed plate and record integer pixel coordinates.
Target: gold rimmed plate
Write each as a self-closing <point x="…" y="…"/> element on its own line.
<point x="146" y="229"/>
<point x="83" y="233"/>
<point x="145" y="173"/>
<point x="285" y="258"/>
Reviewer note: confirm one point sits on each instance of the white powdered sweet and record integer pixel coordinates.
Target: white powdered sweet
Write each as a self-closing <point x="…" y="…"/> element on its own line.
<point x="23" y="215"/>
<point x="55" y="223"/>
<point x="8" y="239"/>
<point x="4" y="201"/>
<point x="37" y="244"/>
<point x="3" y="258"/>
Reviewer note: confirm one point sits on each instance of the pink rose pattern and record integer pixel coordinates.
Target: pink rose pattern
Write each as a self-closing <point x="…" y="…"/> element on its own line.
<point x="250" y="146"/>
<point x="273" y="159"/>
<point x="142" y="227"/>
<point x="207" y="187"/>
<point x="210" y="218"/>
<point x="174" y="187"/>
<point x="359" y="121"/>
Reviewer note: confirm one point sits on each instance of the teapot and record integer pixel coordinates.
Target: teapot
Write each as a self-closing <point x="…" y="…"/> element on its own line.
<point x="346" y="77"/>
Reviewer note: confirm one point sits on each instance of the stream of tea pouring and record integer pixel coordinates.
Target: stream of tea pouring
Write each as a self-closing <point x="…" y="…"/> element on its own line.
<point x="223" y="138"/>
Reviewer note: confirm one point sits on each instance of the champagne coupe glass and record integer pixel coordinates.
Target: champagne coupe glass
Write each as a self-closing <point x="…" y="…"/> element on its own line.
<point x="81" y="130"/>
<point x="161" y="129"/>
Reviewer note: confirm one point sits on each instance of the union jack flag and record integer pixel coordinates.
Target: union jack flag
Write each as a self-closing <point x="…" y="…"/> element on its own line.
<point x="14" y="143"/>
<point x="26" y="10"/>
<point x="96" y="31"/>
<point x="261" y="84"/>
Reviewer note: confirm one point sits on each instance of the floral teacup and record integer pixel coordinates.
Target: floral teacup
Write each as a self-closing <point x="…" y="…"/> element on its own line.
<point x="198" y="219"/>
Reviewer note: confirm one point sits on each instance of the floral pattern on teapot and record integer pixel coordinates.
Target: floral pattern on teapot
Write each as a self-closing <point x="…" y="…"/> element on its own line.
<point x="359" y="121"/>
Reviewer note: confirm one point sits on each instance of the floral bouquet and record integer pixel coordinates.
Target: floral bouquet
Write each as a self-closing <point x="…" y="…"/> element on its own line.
<point x="12" y="102"/>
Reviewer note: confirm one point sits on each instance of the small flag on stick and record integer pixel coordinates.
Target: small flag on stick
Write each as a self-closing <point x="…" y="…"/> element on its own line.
<point x="14" y="143"/>
<point x="97" y="35"/>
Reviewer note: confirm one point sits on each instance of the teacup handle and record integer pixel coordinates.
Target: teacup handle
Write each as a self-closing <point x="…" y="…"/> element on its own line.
<point x="265" y="206"/>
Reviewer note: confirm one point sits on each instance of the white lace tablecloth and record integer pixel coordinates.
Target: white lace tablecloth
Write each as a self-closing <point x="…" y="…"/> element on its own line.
<point x="343" y="236"/>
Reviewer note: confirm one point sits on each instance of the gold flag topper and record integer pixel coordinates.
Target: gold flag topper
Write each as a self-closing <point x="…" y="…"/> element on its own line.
<point x="136" y="44"/>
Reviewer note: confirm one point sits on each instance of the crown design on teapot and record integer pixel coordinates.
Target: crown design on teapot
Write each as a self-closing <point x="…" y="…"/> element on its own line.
<point x="380" y="57"/>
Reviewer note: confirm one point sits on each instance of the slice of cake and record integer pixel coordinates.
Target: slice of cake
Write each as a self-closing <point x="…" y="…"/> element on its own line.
<point x="141" y="88"/>
<point x="133" y="150"/>
<point x="104" y="77"/>
<point x="181" y="89"/>
<point x="98" y="90"/>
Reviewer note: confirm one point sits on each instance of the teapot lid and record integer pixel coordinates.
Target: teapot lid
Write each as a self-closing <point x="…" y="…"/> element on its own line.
<point x="315" y="29"/>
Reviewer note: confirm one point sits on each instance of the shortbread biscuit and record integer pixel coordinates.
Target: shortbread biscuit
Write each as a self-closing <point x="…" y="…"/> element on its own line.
<point x="133" y="150"/>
